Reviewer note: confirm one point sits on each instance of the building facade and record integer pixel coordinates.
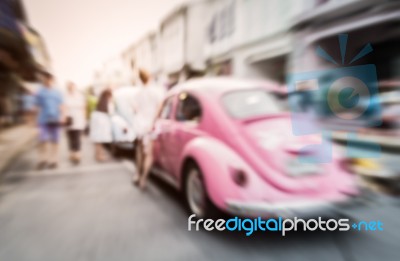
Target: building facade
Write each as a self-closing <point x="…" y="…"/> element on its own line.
<point x="182" y="37"/>
<point x="22" y="55"/>
<point x="241" y="38"/>
<point x="250" y="38"/>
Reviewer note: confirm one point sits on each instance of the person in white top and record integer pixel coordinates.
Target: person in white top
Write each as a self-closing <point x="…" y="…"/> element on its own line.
<point x="75" y="106"/>
<point x="146" y="106"/>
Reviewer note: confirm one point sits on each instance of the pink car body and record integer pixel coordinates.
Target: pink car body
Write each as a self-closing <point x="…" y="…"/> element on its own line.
<point x="244" y="162"/>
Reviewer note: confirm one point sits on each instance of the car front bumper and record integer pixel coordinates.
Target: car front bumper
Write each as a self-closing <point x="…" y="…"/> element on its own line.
<point x="303" y="209"/>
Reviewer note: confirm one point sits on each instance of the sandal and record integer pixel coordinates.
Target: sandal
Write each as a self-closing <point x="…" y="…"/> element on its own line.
<point x="53" y="165"/>
<point x="136" y="181"/>
<point x="41" y="165"/>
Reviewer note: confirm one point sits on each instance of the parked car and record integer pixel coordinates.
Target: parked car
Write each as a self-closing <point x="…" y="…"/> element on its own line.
<point x="123" y="120"/>
<point x="227" y="144"/>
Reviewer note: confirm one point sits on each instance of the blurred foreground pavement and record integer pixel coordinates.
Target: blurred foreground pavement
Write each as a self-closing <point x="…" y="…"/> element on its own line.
<point x="92" y="212"/>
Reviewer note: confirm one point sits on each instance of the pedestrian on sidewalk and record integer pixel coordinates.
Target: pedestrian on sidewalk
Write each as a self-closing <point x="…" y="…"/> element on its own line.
<point x="148" y="101"/>
<point x="49" y="102"/>
<point x="100" y="124"/>
<point x="75" y="107"/>
<point x="91" y="104"/>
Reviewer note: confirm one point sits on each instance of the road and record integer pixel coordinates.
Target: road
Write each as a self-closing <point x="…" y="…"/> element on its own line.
<point x="92" y="212"/>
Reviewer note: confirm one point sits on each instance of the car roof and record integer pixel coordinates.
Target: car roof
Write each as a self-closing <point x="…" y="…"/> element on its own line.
<point x="219" y="85"/>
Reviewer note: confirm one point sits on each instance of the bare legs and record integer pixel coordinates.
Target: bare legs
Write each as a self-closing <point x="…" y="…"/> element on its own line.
<point x="147" y="163"/>
<point x="139" y="155"/>
<point x="54" y="153"/>
<point x="42" y="148"/>
<point x="75" y="156"/>
<point x="48" y="147"/>
<point x="74" y="142"/>
<point x="48" y="154"/>
<point x="144" y="161"/>
<point x="99" y="152"/>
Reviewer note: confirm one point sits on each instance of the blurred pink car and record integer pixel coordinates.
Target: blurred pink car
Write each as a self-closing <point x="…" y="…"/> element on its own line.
<point x="227" y="144"/>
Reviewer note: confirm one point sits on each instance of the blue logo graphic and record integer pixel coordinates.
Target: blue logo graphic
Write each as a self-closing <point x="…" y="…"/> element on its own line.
<point x="348" y="97"/>
<point x="374" y="225"/>
<point x="345" y="96"/>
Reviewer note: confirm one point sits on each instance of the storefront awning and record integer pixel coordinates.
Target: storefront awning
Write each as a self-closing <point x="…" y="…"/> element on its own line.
<point x="355" y="24"/>
<point x="14" y="55"/>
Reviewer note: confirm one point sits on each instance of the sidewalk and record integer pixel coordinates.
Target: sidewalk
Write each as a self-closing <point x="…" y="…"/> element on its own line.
<point x="13" y="141"/>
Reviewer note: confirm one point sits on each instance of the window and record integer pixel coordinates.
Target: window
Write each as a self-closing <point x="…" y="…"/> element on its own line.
<point x="250" y="103"/>
<point x="167" y="108"/>
<point x="189" y="108"/>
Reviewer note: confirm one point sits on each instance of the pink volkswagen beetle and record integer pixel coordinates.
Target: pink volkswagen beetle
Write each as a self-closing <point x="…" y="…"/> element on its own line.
<point x="227" y="144"/>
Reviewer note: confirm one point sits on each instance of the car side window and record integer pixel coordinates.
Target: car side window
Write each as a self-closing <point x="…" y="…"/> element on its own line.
<point x="166" y="109"/>
<point x="188" y="109"/>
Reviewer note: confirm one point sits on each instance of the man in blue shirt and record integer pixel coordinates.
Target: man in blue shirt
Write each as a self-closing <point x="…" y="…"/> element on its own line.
<point x="49" y="102"/>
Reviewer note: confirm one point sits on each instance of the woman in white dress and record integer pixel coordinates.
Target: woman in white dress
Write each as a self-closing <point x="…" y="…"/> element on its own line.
<point x="147" y="104"/>
<point x="100" y="123"/>
<point x="75" y="105"/>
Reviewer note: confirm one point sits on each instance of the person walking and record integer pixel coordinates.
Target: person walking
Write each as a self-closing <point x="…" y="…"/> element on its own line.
<point x="100" y="124"/>
<point x="49" y="102"/>
<point x="91" y="102"/>
<point x="148" y="101"/>
<point x="75" y="106"/>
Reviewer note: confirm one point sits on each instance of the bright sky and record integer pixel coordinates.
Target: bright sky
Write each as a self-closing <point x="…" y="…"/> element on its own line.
<point x="82" y="34"/>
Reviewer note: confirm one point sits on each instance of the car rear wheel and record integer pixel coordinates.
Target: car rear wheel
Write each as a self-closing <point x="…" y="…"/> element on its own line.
<point x="196" y="195"/>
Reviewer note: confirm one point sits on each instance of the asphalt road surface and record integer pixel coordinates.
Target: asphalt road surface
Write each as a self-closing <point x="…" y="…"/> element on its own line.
<point x="92" y="212"/>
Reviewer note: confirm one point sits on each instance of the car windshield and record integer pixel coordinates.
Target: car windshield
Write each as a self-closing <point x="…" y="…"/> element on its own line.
<point x="251" y="103"/>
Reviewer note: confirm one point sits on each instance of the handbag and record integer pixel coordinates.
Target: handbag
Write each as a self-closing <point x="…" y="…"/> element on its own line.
<point x="69" y="121"/>
<point x="53" y="124"/>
